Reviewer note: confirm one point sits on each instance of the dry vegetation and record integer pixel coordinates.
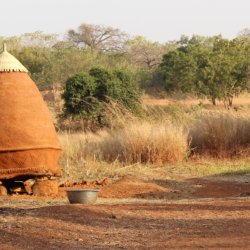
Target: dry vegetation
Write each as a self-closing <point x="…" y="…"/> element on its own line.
<point x="221" y="134"/>
<point x="142" y="143"/>
<point x="110" y="152"/>
<point x="176" y="134"/>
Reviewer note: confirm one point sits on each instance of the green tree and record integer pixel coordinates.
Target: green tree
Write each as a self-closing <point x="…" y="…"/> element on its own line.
<point x="226" y="71"/>
<point x="179" y="69"/>
<point x="103" y="78"/>
<point x="215" y="67"/>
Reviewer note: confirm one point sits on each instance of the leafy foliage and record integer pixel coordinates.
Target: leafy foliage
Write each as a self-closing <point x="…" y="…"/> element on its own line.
<point x="210" y="66"/>
<point x="217" y="68"/>
<point x="85" y="92"/>
<point x="79" y="95"/>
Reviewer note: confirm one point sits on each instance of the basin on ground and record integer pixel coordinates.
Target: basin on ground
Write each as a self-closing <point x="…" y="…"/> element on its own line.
<point x="82" y="196"/>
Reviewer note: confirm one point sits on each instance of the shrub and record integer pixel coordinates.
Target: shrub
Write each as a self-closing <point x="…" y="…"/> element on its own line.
<point x="103" y="79"/>
<point x="86" y="93"/>
<point x="129" y="92"/>
<point x="79" y="95"/>
<point x="116" y="85"/>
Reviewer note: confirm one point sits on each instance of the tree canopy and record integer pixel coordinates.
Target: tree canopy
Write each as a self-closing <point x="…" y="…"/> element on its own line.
<point x="97" y="37"/>
<point x="215" y="67"/>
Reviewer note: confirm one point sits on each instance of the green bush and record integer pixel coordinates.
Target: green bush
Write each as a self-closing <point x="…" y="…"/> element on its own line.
<point x="79" y="95"/>
<point x="103" y="79"/>
<point x="85" y="92"/>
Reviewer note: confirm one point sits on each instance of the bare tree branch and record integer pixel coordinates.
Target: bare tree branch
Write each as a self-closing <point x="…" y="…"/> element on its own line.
<point x="97" y="37"/>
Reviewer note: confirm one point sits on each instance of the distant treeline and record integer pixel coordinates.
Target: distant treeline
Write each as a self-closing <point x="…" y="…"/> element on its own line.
<point x="214" y="67"/>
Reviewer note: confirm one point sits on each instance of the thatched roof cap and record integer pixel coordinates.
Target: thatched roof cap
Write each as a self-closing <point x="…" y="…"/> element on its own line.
<point x="9" y="63"/>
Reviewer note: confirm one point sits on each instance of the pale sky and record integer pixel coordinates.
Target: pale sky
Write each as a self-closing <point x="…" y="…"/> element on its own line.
<point x="157" y="20"/>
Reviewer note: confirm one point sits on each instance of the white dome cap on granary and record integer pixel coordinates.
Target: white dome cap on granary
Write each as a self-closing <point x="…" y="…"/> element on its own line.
<point x="9" y="63"/>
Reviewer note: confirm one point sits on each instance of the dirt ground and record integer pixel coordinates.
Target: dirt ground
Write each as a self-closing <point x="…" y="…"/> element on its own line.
<point x="134" y="213"/>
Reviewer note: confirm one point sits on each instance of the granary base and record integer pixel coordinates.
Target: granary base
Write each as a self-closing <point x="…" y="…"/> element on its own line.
<point x="41" y="186"/>
<point x="32" y="162"/>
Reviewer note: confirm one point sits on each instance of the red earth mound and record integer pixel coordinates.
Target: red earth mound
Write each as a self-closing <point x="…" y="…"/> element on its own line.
<point x="134" y="187"/>
<point x="126" y="187"/>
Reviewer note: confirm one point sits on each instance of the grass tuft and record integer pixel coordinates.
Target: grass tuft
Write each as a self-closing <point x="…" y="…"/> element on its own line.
<point x="133" y="144"/>
<point x="144" y="142"/>
<point x="220" y="135"/>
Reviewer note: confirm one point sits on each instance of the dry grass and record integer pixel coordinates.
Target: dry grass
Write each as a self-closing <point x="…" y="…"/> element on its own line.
<point x="136" y="143"/>
<point x="221" y="134"/>
<point x="145" y="143"/>
<point x="133" y="145"/>
<point x="210" y="166"/>
<point x="88" y="156"/>
<point x="79" y="159"/>
<point x="112" y="151"/>
<point x="79" y="162"/>
<point x="189" y="100"/>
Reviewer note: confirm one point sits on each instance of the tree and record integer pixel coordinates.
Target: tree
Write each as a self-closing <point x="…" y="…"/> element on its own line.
<point x="39" y="39"/>
<point x="97" y="37"/>
<point x="13" y="43"/>
<point x="117" y="85"/>
<point x="179" y="67"/>
<point x="179" y="71"/>
<point x="146" y="54"/>
<point x="217" y="68"/>
<point x="245" y="33"/>
<point x="226" y="71"/>
<point x="37" y="60"/>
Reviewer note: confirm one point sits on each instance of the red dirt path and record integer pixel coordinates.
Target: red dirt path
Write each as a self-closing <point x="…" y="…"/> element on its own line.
<point x="156" y="221"/>
<point x="206" y="225"/>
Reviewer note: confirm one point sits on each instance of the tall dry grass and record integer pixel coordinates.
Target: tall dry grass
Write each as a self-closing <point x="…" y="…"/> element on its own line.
<point x="155" y="143"/>
<point x="131" y="141"/>
<point x="135" y="143"/>
<point x="220" y="134"/>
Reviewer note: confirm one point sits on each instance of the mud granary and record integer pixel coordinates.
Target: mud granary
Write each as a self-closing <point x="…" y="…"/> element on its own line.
<point x="29" y="147"/>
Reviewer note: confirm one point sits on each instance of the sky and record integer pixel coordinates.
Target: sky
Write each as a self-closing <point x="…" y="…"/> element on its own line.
<point x="157" y="20"/>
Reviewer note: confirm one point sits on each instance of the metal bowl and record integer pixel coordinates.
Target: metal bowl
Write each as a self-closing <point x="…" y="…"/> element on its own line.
<point x="83" y="196"/>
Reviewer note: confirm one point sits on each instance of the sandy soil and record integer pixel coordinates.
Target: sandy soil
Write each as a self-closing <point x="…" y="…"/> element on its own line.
<point x="194" y="213"/>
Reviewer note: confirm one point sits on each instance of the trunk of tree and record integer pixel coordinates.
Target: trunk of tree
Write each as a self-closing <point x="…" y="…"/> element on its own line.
<point x="213" y="101"/>
<point x="230" y="101"/>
